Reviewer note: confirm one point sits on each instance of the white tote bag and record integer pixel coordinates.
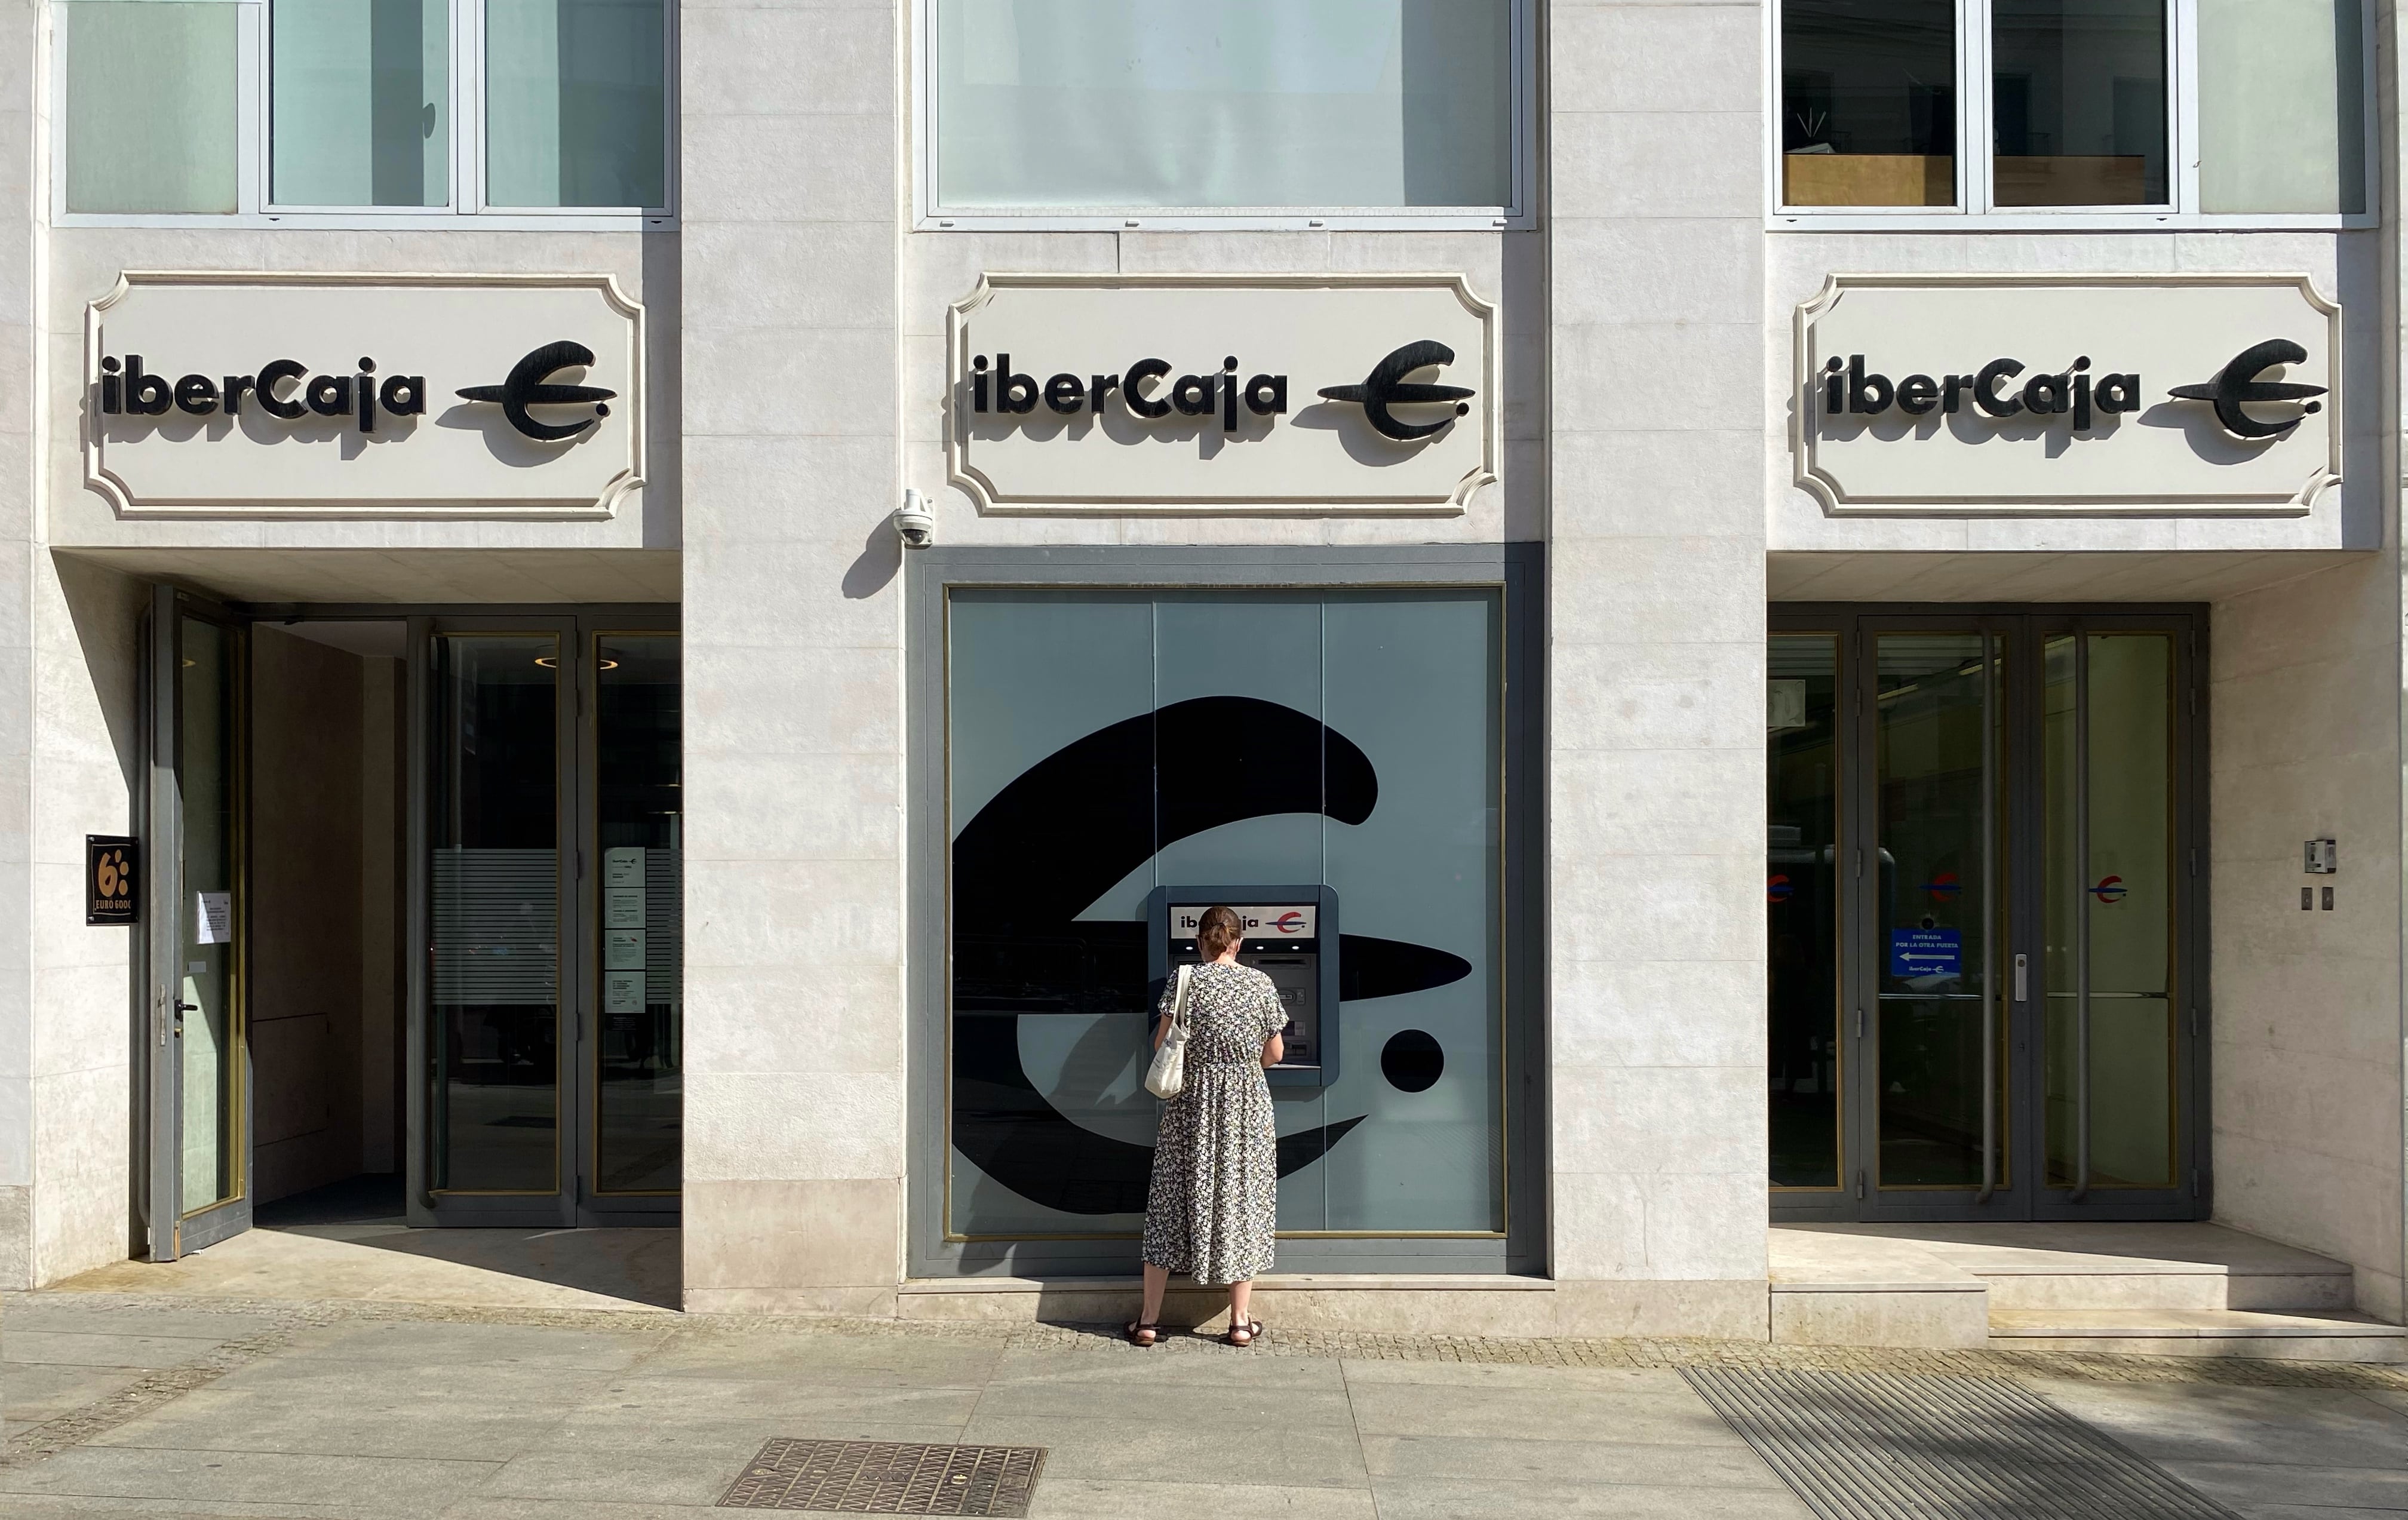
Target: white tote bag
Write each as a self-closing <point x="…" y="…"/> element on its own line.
<point x="1167" y="1073"/>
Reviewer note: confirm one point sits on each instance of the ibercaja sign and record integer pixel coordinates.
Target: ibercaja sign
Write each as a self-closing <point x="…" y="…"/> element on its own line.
<point x="2070" y="394"/>
<point x="340" y="394"/>
<point x="1222" y="392"/>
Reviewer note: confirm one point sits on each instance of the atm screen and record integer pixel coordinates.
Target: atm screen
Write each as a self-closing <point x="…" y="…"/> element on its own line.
<point x="1283" y="942"/>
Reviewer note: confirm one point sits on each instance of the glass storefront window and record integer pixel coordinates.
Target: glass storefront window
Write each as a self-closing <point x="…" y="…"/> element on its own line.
<point x="2282" y="105"/>
<point x="1869" y="103"/>
<point x="576" y="103"/>
<point x="2078" y="101"/>
<point x="1801" y="895"/>
<point x="1054" y="105"/>
<point x="1100" y="744"/>
<point x="361" y="95"/>
<point x="2014" y="105"/>
<point x="360" y="105"/>
<point x="152" y="105"/>
<point x="493" y="821"/>
<point x="638" y="1061"/>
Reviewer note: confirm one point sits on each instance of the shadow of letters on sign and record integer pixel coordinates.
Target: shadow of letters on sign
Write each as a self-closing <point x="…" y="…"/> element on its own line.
<point x="384" y="395"/>
<point x="1232" y="393"/>
<point x="2169" y="395"/>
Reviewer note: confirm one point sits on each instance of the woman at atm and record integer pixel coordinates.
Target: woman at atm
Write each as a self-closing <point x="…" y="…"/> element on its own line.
<point x="1214" y="1199"/>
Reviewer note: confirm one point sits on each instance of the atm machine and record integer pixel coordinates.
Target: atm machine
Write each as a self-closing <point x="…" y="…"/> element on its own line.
<point x="1291" y="936"/>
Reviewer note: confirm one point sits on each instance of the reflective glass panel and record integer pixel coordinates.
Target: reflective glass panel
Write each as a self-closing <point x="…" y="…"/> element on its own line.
<point x="212" y="1029"/>
<point x="2078" y="101"/>
<point x="149" y="114"/>
<point x="2109" y="909"/>
<point x="493" y="815"/>
<point x="2282" y="105"/>
<point x="576" y="103"/>
<point x="1243" y="103"/>
<point x="1101" y="744"/>
<point x="361" y="95"/>
<point x="1869" y="103"/>
<point x="640" y="1086"/>
<point x="1802" y="896"/>
<point x="1935" y="726"/>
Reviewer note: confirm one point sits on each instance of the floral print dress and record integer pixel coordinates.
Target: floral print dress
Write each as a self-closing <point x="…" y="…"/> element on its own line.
<point x="1214" y="1199"/>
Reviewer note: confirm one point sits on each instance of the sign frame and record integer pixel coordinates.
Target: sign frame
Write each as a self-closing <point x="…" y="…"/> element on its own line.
<point x="1817" y="479"/>
<point x="992" y="498"/>
<point x="131" y="502"/>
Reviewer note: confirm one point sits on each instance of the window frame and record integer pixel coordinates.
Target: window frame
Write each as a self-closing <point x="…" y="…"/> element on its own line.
<point x="928" y="215"/>
<point x="466" y="204"/>
<point x="1977" y="211"/>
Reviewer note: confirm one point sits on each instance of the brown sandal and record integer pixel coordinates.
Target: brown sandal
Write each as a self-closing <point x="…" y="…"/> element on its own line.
<point x="1251" y="1329"/>
<point x="1143" y="1335"/>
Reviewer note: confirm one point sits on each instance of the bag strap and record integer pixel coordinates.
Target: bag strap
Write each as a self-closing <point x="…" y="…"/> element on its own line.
<point x="1179" y="999"/>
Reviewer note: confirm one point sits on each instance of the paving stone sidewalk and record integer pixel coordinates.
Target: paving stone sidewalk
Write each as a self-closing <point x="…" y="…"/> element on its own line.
<point x="168" y="1406"/>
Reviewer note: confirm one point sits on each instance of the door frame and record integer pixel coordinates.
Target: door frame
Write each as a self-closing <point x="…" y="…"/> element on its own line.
<point x="576" y="1203"/>
<point x="425" y="1205"/>
<point x="2024" y="629"/>
<point x="171" y="1232"/>
<point x="159" y="1128"/>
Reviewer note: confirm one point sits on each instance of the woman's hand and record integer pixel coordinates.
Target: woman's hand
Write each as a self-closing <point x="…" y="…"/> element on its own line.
<point x="1161" y="1028"/>
<point x="1274" y="1050"/>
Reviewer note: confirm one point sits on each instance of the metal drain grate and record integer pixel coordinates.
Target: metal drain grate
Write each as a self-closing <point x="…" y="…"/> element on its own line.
<point x="1883" y="1446"/>
<point x="885" y="1477"/>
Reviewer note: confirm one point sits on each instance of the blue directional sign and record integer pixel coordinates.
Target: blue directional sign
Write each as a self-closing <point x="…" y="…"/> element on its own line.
<point x="1919" y="953"/>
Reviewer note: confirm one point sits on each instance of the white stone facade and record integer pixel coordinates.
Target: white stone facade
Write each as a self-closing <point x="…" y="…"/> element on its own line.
<point x="798" y="386"/>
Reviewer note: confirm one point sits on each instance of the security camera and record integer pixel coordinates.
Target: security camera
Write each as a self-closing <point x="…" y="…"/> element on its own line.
<point x="912" y="523"/>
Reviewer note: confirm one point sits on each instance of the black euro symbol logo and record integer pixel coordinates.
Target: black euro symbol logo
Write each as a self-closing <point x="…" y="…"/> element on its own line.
<point x="1386" y="387"/>
<point x="2237" y="385"/>
<point x="526" y="387"/>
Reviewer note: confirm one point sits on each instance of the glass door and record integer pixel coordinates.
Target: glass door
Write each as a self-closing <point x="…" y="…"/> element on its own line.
<point x="197" y="1060"/>
<point x="548" y="894"/>
<point x="495" y="1036"/>
<point x="2111" y="871"/>
<point x="1981" y="884"/>
<point x="634" y="902"/>
<point x="1931" y="1029"/>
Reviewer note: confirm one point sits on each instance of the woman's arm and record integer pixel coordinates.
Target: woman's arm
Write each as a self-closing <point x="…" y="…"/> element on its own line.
<point x="1274" y="1050"/>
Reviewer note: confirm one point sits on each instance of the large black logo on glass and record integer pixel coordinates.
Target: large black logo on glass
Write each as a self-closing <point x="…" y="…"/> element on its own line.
<point x="2237" y="385"/>
<point x="1065" y="832"/>
<point x="527" y="385"/>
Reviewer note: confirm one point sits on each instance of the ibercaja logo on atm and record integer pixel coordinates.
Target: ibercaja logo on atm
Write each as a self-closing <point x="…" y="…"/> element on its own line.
<point x="1280" y="923"/>
<point x="289" y="391"/>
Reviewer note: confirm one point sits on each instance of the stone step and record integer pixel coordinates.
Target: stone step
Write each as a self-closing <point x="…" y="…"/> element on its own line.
<point x="2307" y="1287"/>
<point x="2314" y="1336"/>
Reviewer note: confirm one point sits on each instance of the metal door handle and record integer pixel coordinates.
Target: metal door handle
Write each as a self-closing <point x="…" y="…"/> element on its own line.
<point x="2023" y="968"/>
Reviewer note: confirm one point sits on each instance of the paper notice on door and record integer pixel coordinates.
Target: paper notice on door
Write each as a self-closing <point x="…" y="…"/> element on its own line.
<point x="623" y="950"/>
<point x="623" y="992"/>
<point x="622" y="908"/>
<point x="622" y="865"/>
<point x="213" y="919"/>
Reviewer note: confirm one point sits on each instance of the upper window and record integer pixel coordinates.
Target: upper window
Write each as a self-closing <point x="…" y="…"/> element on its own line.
<point x="2167" y="109"/>
<point x="1369" y="110"/>
<point x="419" y="109"/>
